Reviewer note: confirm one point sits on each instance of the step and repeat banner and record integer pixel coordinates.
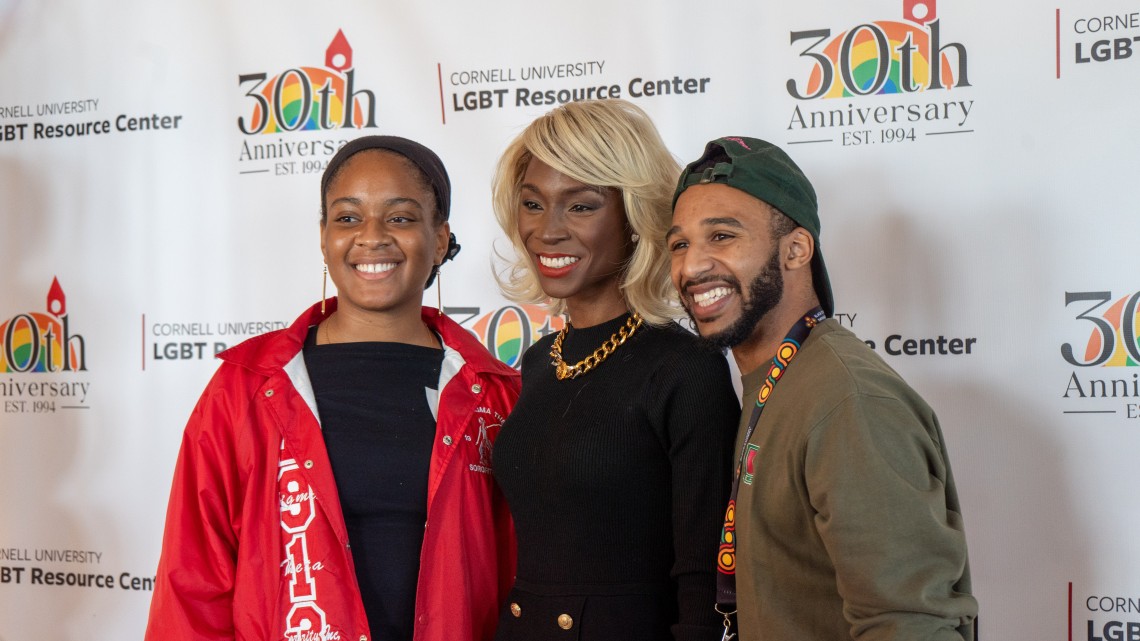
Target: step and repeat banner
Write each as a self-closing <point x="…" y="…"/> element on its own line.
<point x="977" y="169"/>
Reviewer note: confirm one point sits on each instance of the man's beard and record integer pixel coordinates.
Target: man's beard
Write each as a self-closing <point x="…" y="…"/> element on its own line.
<point x="764" y="293"/>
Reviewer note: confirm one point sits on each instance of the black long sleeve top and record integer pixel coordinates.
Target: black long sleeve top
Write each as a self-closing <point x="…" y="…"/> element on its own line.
<point x="618" y="480"/>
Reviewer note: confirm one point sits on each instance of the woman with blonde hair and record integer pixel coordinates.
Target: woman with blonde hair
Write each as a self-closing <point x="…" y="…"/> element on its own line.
<point x="615" y="461"/>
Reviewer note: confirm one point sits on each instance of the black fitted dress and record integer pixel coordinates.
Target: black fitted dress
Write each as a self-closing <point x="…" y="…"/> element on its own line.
<point x="617" y="482"/>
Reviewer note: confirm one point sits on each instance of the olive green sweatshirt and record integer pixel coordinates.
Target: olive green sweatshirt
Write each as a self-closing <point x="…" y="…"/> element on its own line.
<point x="850" y="526"/>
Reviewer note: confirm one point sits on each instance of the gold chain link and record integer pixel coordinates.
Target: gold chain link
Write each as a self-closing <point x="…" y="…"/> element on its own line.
<point x="562" y="371"/>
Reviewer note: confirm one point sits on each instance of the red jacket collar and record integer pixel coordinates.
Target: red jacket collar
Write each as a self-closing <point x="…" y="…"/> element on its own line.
<point x="270" y="352"/>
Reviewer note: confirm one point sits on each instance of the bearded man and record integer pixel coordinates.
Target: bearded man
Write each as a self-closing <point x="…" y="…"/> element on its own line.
<point x="844" y="521"/>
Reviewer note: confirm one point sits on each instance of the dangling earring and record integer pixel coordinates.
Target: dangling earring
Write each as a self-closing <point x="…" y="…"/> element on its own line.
<point x="324" y="287"/>
<point x="439" y="289"/>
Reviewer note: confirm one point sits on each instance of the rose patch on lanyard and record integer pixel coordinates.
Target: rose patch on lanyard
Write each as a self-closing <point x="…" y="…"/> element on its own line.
<point x="749" y="463"/>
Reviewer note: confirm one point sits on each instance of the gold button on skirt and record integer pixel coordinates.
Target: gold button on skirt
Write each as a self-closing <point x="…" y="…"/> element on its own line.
<point x="565" y="621"/>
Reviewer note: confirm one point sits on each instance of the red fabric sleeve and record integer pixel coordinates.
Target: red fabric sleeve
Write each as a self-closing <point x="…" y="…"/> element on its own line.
<point x="193" y="597"/>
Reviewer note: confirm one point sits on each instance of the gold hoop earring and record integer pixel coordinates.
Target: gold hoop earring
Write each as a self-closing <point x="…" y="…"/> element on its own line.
<point x="324" y="287"/>
<point x="439" y="289"/>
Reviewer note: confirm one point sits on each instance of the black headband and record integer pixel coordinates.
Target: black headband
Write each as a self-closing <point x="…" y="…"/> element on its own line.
<point x="422" y="157"/>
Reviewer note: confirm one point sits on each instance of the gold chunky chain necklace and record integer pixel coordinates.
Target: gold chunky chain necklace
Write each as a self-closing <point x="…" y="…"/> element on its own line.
<point x="562" y="371"/>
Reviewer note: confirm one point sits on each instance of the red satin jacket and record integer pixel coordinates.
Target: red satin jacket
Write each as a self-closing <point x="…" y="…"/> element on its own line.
<point x="255" y="546"/>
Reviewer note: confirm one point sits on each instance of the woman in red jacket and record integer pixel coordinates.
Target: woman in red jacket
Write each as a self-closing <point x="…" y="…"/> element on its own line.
<point x="334" y="479"/>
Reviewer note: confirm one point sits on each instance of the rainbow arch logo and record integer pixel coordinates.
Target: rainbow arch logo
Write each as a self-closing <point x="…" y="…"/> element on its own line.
<point x="865" y="53"/>
<point x="42" y="342"/>
<point x="309" y="98"/>
<point x="509" y="331"/>
<point x="881" y="57"/>
<point x="1123" y="342"/>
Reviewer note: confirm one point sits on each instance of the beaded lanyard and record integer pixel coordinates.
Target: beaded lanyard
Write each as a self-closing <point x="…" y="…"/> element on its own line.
<point x="726" y="556"/>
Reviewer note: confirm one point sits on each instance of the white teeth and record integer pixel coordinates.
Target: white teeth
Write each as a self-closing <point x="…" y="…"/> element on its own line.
<point x="711" y="296"/>
<point x="375" y="268"/>
<point x="557" y="263"/>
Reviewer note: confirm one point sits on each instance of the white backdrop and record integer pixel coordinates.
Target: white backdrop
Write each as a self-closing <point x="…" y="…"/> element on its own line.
<point x="998" y="209"/>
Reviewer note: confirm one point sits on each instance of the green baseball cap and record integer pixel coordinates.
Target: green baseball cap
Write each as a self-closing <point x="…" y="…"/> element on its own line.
<point x="762" y="170"/>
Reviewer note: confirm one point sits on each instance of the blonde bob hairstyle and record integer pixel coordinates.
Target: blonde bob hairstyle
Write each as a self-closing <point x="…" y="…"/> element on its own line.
<point x="602" y="143"/>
